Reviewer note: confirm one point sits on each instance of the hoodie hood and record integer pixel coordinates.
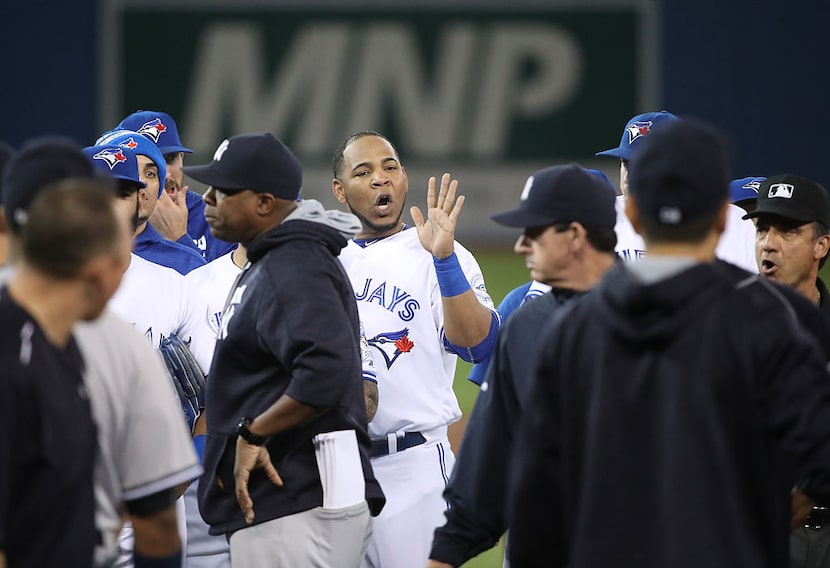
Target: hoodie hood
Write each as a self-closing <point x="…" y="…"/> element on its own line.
<point x="309" y="221"/>
<point x="655" y="312"/>
<point x="312" y="210"/>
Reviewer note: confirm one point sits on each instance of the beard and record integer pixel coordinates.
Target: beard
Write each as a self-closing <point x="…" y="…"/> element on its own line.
<point x="375" y="228"/>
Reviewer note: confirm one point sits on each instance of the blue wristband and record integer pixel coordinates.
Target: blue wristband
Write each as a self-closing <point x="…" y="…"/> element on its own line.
<point x="451" y="279"/>
<point x="199" y="446"/>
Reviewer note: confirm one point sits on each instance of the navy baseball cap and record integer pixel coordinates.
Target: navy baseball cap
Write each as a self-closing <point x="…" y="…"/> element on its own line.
<point x="116" y="161"/>
<point x="793" y="197"/>
<point x="563" y="194"/>
<point x="134" y="141"/>
<point x="259" y="162"/>
<point x="158" y="127"/>
<point x="680" y="172"/>
<point x="637" y="129"/>
<point x="744" y="189"/>
<point x="40" y="162"/>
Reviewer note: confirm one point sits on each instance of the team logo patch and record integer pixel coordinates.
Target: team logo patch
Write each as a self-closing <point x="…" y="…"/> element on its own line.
<point x="392" y="344"/>
<point x="129" y="143"/>
<point x="753" y="185"/>
<point x="638" y="129"/>
<point x="784" y="190"/>
<point x="153" y="129"/>
<point x="111" y="156"/>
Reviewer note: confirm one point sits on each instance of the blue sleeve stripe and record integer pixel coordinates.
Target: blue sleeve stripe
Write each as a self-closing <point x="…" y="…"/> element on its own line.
<point x="371" y="377"/>
<point x="480" y="352"/>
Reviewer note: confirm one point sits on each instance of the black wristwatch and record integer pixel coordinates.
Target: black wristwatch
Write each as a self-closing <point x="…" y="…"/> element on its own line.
<point x="243" y="432"/>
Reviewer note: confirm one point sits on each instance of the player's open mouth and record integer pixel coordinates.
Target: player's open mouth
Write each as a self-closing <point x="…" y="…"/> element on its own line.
<point x="383" y="205"/>
<point x="768" y="267"/>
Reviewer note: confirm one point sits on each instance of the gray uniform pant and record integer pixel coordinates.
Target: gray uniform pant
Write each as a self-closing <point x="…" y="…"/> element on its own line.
<point x="318" y="538"/>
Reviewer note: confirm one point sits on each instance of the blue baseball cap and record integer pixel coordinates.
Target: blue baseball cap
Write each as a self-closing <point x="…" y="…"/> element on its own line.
<point x="134" y="141"/>
<point x="636" y="131"/>
<point x="745" y="189"/>
<point x="158" y="127"/>
<point x="116" y="161"/>
<point x="563" y="194"/>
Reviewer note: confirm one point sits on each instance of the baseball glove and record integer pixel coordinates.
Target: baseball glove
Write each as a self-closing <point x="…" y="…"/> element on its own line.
<point x="187" y="376"/>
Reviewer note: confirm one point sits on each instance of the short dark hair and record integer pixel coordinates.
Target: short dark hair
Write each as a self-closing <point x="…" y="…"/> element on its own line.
<point x="68" y="224"/>
<point x="694" y="231"/>
<point x="819" y="230"/>
<point x="603" y="239"/>
<point x="337" y="158"/>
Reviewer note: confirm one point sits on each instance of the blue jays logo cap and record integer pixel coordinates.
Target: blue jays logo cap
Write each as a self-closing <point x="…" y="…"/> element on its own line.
<point x="158" y="127"/>
<point x="259" y="162"/>
<point x="139" y="145"/>
<point x="637" y="129"/>
<point x="793" y="197"/>
<point x="41" y="162"/>
<point x="116" y="161"/>
<point x="563" y="194"/>
<point x="744" y="189"/>
<point x="680" y="172"/>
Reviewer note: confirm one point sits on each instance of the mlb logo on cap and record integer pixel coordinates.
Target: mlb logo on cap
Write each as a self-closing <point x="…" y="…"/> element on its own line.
<point x="784" y="190"/>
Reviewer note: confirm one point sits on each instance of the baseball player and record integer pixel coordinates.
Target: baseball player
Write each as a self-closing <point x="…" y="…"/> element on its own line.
<point x="130" y="393"/>
<point x="74" y="249"/>
<point x="179" y="214"/>
<point x="179" y="310"/>
<point x="422" y="302"/>
<point x="737" y="244"/>
<point x="149" y="243"/>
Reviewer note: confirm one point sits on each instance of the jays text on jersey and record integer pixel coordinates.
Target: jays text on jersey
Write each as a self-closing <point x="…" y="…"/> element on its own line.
<point x="401" y="310"/>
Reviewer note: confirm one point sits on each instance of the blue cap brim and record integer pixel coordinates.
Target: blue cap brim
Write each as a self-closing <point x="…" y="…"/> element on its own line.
<point x="621" y="153"/>
<point x="171" y="149"/>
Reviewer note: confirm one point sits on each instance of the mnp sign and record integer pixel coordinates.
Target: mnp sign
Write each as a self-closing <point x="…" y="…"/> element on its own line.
<point x="488" y="91"/>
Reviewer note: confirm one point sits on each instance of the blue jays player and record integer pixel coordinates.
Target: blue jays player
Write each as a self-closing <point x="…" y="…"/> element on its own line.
<point x="422" y="301"/>
<point x="737" y="244"/>
<point x="177" y="219"/>
<point x="149" y="243"/>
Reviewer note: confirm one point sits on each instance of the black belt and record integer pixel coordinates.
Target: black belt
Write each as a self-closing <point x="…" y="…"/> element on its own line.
<point x="380" y="447"/>
<point x="819" y="517"/>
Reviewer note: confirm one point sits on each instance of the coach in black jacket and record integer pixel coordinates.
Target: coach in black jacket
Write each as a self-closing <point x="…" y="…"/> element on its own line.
<point x="287" y="474"/>
<point x="678" y="403"/>
<point x="568" y="218"/>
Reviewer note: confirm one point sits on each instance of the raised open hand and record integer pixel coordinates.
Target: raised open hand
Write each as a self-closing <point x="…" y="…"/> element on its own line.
<point x="437" y="232"/>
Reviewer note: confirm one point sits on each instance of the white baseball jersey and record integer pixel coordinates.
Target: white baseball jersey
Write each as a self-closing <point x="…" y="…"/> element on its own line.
<point x="143" y="442"/>
<point x="400" y="307"/>
<point x="736" y="245"/>
<point x="157" y="301"/>
<point x="213" y="281"/>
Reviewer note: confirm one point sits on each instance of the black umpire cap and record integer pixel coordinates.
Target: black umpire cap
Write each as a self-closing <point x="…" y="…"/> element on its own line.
<point x="793" y="197"/>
